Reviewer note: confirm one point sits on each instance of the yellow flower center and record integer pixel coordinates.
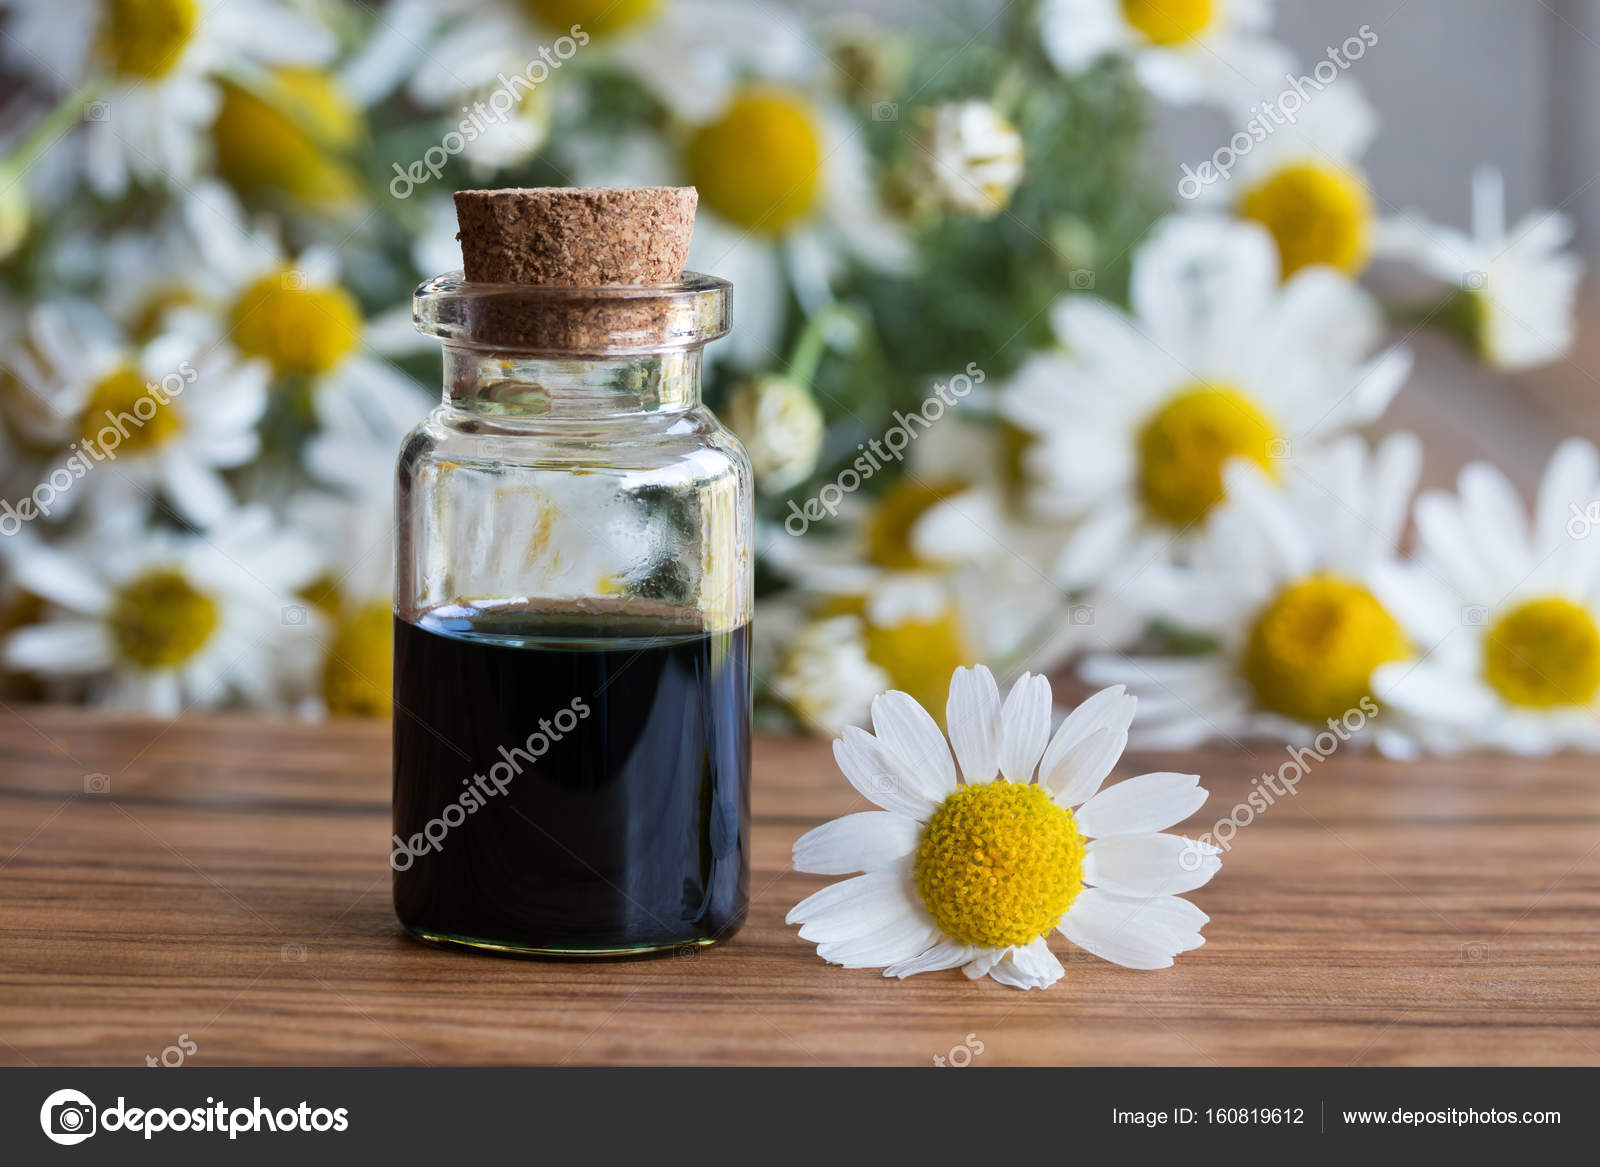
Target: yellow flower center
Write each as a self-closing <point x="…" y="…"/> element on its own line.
<point x="597" y="17"/>
<point x="298" y="329"/>
<point x="358" y="675"/>
<point x="1318" y="213"/>
<point x="123" y="401"/>
<point x="1312" y="651"/>
<point x="146" y="38"/>
<point x="1184" y="444"/>
<point x="999" y="864"/>
<point x="1169" y="22"/>
<point x="1543" y="654"/>
<point x="285" y="137"/>
<point x="160" y="620"/>
<point x="760" y="163"/>
<point x="887" y="530"/>
<point x="918" y="654"/>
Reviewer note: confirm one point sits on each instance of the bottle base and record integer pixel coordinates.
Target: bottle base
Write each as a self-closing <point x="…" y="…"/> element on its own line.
<point x="543" y="952"/>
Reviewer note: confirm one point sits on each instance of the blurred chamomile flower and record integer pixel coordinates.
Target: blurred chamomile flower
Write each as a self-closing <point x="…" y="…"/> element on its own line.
<point x="1304" y="182"/>
<point x="688" y="54"/>
<point x="781" y="426"/>
<point x="1182" y="51"/>
<point x="1511" y="604"/>
<point x="148" y="70"/>
<point x="1513" y="288"/>
<point x="788" y="197"/>
<point x="1216" y="360"/>
<point x="978" y="870"/>
<point x="165" y="417"/>
<point x="1300" y="594"/>
<point x="825" y="676"/>
<point x="158" y="622"/>
<point x="969" y="158"/>
<point x="293" y="314"/>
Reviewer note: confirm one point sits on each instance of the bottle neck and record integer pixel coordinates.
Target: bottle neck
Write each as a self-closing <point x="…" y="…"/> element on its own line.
<point x="506" y="384"/>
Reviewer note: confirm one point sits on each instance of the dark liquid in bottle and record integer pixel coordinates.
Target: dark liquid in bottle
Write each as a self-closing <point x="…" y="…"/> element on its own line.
<point x="570" y="785"/>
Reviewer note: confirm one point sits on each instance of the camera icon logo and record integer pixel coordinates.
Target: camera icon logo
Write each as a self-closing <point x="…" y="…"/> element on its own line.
<point x="97" y="783"/>
<point x="1279" y="450"/>
<point x="1081" y="615"/>
<point x="1474" y="281"/>
<point x="1081" y="279"/>
<point x="1475" y="615"/>
<point x="294" y="281"/>
<point x="97" y="111"/>
<point x="885" y="111"/>
<point x="294" y="616"/>
<point x="67" y="1117"/>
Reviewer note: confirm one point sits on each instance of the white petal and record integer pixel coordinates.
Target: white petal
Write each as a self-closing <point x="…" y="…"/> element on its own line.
<point x="1149" y="865"/>
<point x="910" y="741"/>
<point x="1032" y="966"/>
<point x="900" y="940"/>
<point x="1133" y="932"/>
<point x="1078" y="774"/>
<point x="1110" y="708"/>
<point x="1025" y="722"/>
<point x="982" y="961"/>
<point x="858" y="842"/>
<point x="58" y="648"/>
<point x="1141" y="805"/>
<point x="973" y="715"/>
<point x="854" y="907"/>
<point x="861" y="760"/>
<point x="945" y="954"/>
<point x="59" y="578"/>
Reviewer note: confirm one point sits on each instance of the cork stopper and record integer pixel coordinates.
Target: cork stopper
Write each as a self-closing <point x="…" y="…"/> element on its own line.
<point x="576" y="236"/>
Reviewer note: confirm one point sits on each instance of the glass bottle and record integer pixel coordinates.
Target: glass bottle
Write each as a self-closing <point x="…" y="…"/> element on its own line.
<point x="573" y="593"/>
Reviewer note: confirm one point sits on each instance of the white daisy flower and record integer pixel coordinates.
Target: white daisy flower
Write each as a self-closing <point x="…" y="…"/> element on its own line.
<point x="163" y="622"/>
<point x="977" y="869"/>
<point x="1183" y="51"/>
<point x="1300" y="591"/>
<point x="1304" y="182"/>
<point x="971" y="158"/>
<point x="155" y="63"/>
<point x="689" y="54"/>
<point x="1130" y="426"/>
<point x="1514" y="289"/>
<point x="788" y="197"/>
<point x="825" y="676"/>
<point x="1516" y="662"/>
<point x="166" y="417"/>
<point x="291" y="313"/>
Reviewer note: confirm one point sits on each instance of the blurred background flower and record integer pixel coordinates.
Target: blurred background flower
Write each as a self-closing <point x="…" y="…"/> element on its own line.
<point x="1068" y="328"/>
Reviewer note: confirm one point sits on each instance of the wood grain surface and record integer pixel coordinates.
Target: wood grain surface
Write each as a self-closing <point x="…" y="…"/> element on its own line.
<point x="224" y="880"/>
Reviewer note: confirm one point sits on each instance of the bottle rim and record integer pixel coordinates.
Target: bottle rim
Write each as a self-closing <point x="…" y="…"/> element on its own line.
<point x="611" y="319"/>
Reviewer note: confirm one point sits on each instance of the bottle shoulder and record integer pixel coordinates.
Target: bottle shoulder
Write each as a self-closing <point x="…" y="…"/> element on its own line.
<point x="634" y="442"/>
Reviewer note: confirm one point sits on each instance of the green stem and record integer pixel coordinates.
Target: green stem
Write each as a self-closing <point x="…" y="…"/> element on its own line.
<point x="51" y="127"/>
<point x="813" y="342"/>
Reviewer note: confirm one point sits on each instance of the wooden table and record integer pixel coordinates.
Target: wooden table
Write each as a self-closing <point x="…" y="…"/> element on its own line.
<point x="222" y="883"/>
